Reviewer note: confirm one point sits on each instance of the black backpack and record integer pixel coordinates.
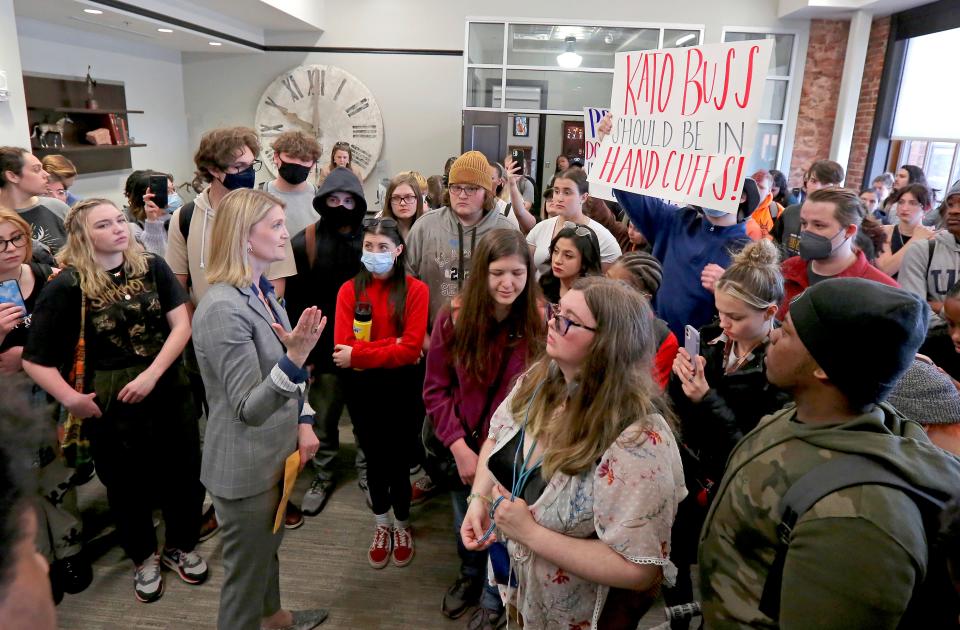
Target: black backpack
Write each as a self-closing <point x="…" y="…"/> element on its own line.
<point x="935" y="603"/>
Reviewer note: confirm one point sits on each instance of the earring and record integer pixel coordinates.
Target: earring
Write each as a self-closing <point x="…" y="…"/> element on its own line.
<point x="249" y="249"/>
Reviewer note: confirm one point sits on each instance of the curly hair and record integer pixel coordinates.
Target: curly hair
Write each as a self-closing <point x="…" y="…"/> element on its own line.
<point x="297" y="145"/>
<point x="219" y="148"/>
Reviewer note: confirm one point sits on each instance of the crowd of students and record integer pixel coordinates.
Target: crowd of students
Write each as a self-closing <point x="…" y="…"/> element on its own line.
<point x="611" y="393"/>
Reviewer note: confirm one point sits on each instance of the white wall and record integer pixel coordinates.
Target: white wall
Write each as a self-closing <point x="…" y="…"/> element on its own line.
<point x="419" y="98"/>
<point x="13" y="113"/>
<point x="154" y="83"/>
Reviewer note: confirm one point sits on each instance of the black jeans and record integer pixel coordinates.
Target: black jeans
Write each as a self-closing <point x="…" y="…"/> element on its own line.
<point x="147" y="455"/>
<point x="383" y="406"/>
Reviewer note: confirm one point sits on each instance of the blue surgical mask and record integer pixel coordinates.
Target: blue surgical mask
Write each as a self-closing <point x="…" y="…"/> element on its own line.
<point x="173" y="202"/>
<point x="716" y="214"/>
<point x="377" y="262"/>
<point x="243" y="179"/>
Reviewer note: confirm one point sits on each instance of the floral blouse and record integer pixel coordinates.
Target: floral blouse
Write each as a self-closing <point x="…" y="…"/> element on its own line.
<point x="628" y="501"/>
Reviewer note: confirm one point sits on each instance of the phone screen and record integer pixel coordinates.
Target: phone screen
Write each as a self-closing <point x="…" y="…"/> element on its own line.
<point x="158" y="186"/>
<point x="691" y="343"/>
<point x="10" y="294"/>
<point x="517" y="157"/>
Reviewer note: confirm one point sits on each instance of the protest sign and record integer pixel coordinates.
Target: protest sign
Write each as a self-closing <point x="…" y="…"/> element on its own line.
<point x="685" y="120"/>
<point x="591" y="118"/>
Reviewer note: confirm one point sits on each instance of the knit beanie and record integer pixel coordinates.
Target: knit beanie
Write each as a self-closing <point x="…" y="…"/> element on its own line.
<point x="926" y="395"/>
<point x="472" y="168"/>
<point x="863" y="334"/>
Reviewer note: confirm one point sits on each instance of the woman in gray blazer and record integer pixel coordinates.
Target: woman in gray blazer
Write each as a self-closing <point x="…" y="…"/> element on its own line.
<point x="252" y="367"/>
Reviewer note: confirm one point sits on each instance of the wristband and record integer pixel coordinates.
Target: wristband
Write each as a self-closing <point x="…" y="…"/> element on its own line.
<point x="476" y="495"/>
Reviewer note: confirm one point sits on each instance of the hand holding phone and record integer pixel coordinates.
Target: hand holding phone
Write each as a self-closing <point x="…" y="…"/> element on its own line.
<point x="158" y="188"/>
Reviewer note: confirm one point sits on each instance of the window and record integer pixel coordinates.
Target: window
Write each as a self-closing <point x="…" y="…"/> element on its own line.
<point x="554" y="68"/>
<point x="927" y="101"/>
<point x="768" y="150"/>
<point x="940" y="162"/>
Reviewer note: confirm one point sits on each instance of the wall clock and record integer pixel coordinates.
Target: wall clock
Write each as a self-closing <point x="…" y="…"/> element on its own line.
<point x="324" y="101"/>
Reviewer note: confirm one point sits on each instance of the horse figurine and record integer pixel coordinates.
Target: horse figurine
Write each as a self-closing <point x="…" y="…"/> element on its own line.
<point x="42" y="130"/>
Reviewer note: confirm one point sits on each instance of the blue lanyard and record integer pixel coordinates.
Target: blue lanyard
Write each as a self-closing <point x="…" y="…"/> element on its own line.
<point x="519" y="482"/>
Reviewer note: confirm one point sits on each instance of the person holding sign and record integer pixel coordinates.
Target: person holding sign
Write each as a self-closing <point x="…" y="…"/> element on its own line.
<point x="693" y="246"/>
<point x="252" y="363"/>
<point x="830" y="218"/>
<point x="569" y="196"/>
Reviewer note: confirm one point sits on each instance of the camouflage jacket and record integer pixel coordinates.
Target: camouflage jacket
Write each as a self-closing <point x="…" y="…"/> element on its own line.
<point x="854" y="557"/>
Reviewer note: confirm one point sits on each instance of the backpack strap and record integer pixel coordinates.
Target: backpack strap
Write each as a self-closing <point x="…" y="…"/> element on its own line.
<point x="310" y="235"/>
<point x="185" y="216"/>
<point x="844" y="471"/>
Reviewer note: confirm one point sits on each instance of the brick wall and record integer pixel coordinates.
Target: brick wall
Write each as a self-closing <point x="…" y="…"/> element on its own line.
<point x="872" y="72"/>
<point x="819" y="95"/>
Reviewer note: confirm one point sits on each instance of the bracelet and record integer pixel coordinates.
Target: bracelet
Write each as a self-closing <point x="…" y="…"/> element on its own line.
<point x="476" y="495"/>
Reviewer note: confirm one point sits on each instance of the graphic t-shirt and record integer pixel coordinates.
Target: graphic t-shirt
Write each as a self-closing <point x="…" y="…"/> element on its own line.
<point x="127" y="328"/>
<point x="46" y="226"/>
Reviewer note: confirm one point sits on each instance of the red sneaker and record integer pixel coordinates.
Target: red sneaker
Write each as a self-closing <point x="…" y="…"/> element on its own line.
<point x="402" y="546"/>
<point x="379" y="552"/>
<point x="422" y="489"/>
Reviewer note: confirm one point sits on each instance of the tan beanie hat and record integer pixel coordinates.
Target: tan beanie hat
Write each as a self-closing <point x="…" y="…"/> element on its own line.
<point x="471" y="168"/>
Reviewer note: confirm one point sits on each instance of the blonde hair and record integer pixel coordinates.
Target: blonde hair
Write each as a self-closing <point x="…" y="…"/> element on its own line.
<point x="78" y="253"/>
<point x="11" y="216"/>
<point x="613" y="391"/>
<point x="237" y="213"/>
<point x="754" y="276"/>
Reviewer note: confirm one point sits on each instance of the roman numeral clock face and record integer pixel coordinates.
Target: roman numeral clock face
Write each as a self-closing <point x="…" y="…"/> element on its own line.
<point x="328" y="103"/>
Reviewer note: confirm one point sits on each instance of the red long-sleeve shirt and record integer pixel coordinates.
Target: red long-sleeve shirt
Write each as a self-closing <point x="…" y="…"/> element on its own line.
<point x="388" y="347"/>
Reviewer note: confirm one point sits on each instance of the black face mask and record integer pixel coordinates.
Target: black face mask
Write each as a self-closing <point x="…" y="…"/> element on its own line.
<point x="293" y="174"/>
<point x="339" y="217"/>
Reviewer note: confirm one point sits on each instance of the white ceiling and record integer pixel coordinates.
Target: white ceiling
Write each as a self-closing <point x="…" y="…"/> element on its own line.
<point x="839" y="9"/>
<point x="248" y="20"/>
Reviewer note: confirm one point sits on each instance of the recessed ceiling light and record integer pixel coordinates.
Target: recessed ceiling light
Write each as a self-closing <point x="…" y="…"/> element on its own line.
<point x="164" y="30"/>
<point x="93" y="11"/>
<point x="216" y="44"/>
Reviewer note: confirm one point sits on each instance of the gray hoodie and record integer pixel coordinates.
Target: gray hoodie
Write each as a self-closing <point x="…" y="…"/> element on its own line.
<point x="439" y="248"/>
<point x="931" y="268"/>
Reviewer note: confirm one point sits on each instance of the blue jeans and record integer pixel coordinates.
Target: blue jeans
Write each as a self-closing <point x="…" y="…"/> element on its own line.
<point x="473" y="564"/>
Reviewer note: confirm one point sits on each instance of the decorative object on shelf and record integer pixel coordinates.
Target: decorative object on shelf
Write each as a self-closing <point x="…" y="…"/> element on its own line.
<point x="42" y="130"/>
<point x="328" y="103"/>
<point x="521" y="126"/>
<point x="91" y="101"/>
<point x="99" y="136"/>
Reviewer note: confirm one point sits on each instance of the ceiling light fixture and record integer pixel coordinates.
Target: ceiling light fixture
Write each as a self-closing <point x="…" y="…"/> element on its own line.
<point x="164" y="30"/>
<point x="569" y="59"/>
<point x="686" y="38"/>
<point x="93" y="11"/>
<point x="216" y="44"/>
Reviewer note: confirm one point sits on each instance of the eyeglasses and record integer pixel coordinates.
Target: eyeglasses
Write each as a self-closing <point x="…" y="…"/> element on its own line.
<point x="460" y="190"/>
<point x="408" y="200"/>
<point x="579" y="230"/>
<point x="239" y="168"/>
<point x="562" y="324"/>
<point x="17" y="241"/>
<point x="373" y="222"/>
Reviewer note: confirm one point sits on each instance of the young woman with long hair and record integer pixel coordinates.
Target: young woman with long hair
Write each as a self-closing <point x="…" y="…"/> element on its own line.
<point x="403" y="202"/>
<point x="341" y="156"/>
<point x="574" y="253"/>
<point x="252" y="363"/>
<point x="128" y="313"/>
<point x="570" y="193"/>
<point x="380" y="325"/>
<point x="581" y="474"/>
<point x="487" y="337"/>
<point x="909" y="203"/>
<point x="721" y="394"/>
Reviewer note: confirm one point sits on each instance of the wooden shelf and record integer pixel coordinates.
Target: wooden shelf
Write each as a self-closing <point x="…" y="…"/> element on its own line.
<point x="85" y="149"/>
<point x="81" y="110"/>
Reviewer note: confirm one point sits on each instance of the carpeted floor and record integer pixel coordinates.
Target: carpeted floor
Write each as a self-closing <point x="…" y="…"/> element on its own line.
<point x="322" y="564"/>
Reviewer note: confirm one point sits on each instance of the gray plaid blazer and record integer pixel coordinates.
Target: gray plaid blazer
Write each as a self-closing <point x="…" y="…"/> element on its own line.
<point x="252" y="422"/>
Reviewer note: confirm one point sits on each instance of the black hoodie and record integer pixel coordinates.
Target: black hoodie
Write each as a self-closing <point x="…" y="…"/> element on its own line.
<point x="337" y="260"/>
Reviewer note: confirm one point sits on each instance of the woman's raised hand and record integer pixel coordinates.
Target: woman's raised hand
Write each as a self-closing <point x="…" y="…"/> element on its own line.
<point x="301" y="340"/>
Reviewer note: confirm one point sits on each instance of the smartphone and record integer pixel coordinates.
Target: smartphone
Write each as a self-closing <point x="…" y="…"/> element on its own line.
<point x="158" y="186"/>
<point x="691" y="343"/>
<point x="517" y="157"/>
<point x="10" y="294"/>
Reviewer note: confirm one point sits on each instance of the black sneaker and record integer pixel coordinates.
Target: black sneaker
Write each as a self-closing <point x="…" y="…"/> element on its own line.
<point x="464" y="593"/>
<point x="72" y="574"/>
<point x="316" y="496"/>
